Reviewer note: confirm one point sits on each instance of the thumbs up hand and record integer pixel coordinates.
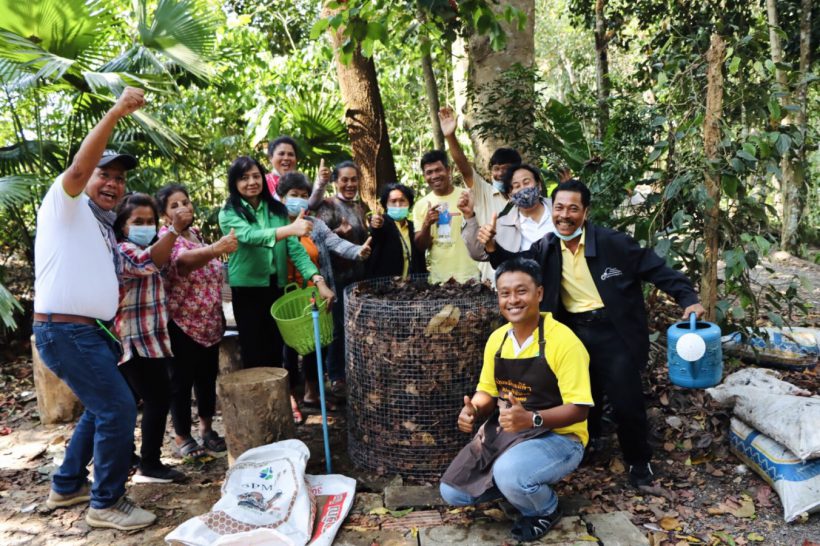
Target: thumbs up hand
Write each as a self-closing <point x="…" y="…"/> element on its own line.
<point x="227" y="244"/>
<point x="365" y="251"/>
<point x="323" y="176"/>
<point x="465" y="204"/>
<point x="301" y="227"/>
<point x="486" y="234"/>
<point x="512" y="415"/>
<point x="467" y="417"/>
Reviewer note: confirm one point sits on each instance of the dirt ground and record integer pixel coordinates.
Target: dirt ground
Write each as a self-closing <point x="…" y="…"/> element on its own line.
<point x="703" y="494"/>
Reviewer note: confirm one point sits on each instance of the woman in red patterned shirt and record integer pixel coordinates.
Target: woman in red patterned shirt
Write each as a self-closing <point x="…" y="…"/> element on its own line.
<point x="196" y="324"/>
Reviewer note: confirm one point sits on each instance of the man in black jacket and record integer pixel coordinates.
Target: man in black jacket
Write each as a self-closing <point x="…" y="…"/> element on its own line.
<point x="592" y="282"/>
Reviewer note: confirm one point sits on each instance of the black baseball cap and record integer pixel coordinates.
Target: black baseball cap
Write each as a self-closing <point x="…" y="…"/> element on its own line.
<point x="128" y="161"/>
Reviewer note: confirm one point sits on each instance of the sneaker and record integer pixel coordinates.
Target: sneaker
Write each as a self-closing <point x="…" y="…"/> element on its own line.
<point x="123" y="515"/>
<point x="531" y="528"/>
<point x="57" y="500"/>
<point x="158" y="474"/>
<point x="641" y="474"/>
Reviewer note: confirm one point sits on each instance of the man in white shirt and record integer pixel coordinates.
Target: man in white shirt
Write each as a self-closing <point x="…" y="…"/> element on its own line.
<point x="76" y="296"/>
<point x="486" y="198"/>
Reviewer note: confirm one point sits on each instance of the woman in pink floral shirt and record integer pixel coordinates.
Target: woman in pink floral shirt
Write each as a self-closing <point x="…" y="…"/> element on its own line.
<point x="196" y="324"/>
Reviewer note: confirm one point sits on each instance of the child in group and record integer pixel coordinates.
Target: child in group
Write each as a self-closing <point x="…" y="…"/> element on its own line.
<point x="196" y="323"/>
<point x="142" y="323"/>
<point x="293" y="191"/>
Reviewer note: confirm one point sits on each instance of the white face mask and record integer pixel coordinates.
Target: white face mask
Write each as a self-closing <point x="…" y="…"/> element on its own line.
<point x="575" y="234"/>
<point x="499" y="185"/>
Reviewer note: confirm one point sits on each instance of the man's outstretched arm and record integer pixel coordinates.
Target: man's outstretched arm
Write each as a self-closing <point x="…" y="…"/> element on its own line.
<point x="79" y="172"/>
<point x="448" y="127"/>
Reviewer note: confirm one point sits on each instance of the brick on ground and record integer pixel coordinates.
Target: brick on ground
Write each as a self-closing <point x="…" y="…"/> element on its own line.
<point x="411" y="496"/>
<point x="616" y="529"/>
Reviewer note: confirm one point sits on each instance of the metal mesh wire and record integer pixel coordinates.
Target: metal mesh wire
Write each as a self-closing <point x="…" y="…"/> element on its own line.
<point x="408" y="372"/>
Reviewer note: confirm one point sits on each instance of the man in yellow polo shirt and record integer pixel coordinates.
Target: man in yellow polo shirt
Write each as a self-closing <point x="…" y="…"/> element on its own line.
<point x="592" y="280"/>
<point x="438" y="223"/>
<point x="534" y="394"/>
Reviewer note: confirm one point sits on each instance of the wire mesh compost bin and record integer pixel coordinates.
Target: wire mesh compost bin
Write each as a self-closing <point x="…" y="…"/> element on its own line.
<point x="413" y="350"/>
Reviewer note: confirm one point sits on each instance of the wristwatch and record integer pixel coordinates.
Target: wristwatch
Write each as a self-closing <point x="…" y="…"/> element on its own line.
<point x="173" y="230"/>
<point x="537" y="420"/>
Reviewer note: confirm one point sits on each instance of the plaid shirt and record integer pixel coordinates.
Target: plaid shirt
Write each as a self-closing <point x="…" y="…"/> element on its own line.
<point x="142" y="317"/>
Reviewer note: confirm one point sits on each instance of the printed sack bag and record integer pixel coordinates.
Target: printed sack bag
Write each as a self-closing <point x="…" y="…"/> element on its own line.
<point x="265" y="500"/>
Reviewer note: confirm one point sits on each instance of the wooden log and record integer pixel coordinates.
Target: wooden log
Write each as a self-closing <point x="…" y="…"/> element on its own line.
<point x="56" y="403"/>
<point x="255" y="408"/>
<point x="229" y="358"/>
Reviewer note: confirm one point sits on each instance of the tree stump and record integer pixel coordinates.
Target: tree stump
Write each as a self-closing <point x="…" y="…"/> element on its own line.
<point x="255" y="408"/>
<point x="229" y="358"/>
<point x="56" y="403"/>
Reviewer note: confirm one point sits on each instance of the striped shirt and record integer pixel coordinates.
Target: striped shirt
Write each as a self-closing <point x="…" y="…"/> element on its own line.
<point x="142" y="317"/>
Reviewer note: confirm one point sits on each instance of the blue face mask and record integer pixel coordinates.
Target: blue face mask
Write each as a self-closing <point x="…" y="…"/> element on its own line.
<point x="142" y="235"/>
<point x="497" y="184"/>
<point x="568" y="237"/>
<point x="296" y="205"/>
<point x="398" y="213"/>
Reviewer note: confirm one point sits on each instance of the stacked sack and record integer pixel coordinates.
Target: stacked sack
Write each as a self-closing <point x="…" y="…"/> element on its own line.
<point x="775" y="431"/>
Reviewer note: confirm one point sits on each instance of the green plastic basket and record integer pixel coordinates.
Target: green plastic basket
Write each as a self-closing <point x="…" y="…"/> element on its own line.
<point x="292" y="313"/>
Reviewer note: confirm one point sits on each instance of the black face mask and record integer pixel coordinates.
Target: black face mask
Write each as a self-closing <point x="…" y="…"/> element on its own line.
<point x="526" y="198"/>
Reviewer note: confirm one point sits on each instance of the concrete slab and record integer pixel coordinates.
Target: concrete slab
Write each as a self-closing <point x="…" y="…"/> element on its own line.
<point x="570" y="531"/>
<point x="347" y="537"/>
<point x="415" y="496"/>
<point x="365" y="502"/>
<point x="616" y="529"/>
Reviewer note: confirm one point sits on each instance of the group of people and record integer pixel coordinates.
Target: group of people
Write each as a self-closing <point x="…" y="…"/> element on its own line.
<point x="128" y="308"/>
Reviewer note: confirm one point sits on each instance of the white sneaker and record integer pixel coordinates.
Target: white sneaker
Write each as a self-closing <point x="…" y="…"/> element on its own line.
<point x="123" y="515"/>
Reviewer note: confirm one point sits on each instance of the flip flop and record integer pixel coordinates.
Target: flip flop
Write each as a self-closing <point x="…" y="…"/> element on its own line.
<point x="191" y="450"/>
<point x="213" y="442"/>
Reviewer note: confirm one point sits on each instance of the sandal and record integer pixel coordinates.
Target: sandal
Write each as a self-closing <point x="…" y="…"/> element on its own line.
<point x="190" y="450"/>
<point x="530" y="528"/>
<point x="214" y="442"/>
<point x="297" y="415"/>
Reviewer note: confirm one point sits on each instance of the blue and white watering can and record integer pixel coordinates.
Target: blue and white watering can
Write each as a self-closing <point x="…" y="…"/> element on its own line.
<point x="694" y="354"/>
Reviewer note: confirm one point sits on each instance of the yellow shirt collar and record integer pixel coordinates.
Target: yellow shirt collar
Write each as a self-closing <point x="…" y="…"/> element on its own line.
<point x="580" y="244"/>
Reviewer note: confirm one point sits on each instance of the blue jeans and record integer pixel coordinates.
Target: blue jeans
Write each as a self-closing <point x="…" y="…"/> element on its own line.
<point x="522" y="475"/>
<point x="85" y="357"/>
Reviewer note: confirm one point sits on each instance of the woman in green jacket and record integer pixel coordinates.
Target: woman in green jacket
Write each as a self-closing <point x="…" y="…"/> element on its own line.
<point x="258" y="271"/>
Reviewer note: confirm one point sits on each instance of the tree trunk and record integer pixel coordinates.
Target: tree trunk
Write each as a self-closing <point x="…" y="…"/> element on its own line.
<point x="790" y="181"/>
<point x="255" y="409"/>
<point x="433" y="104"/>
<point x="366" y="124"/>
<point x="793" y="185"/>
<point x="477" y="67"/>
<point x="229" y="358"/>
<point x="56" y="403"/>
<point x="711" y="140"/>
<point x="601" y="68"/>
<point x="430" y="86"/>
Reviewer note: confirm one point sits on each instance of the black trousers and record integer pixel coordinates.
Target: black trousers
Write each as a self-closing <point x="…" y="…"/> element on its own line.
<point x="309" y="370"/>
<point x="148" y="377"/>
<point x="260" y="342"/>
<point x="615" y="373"/>
<point x="193" y="366"/>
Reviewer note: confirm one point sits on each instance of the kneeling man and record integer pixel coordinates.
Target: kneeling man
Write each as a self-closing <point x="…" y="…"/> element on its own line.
<point x="534" y="395"/>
